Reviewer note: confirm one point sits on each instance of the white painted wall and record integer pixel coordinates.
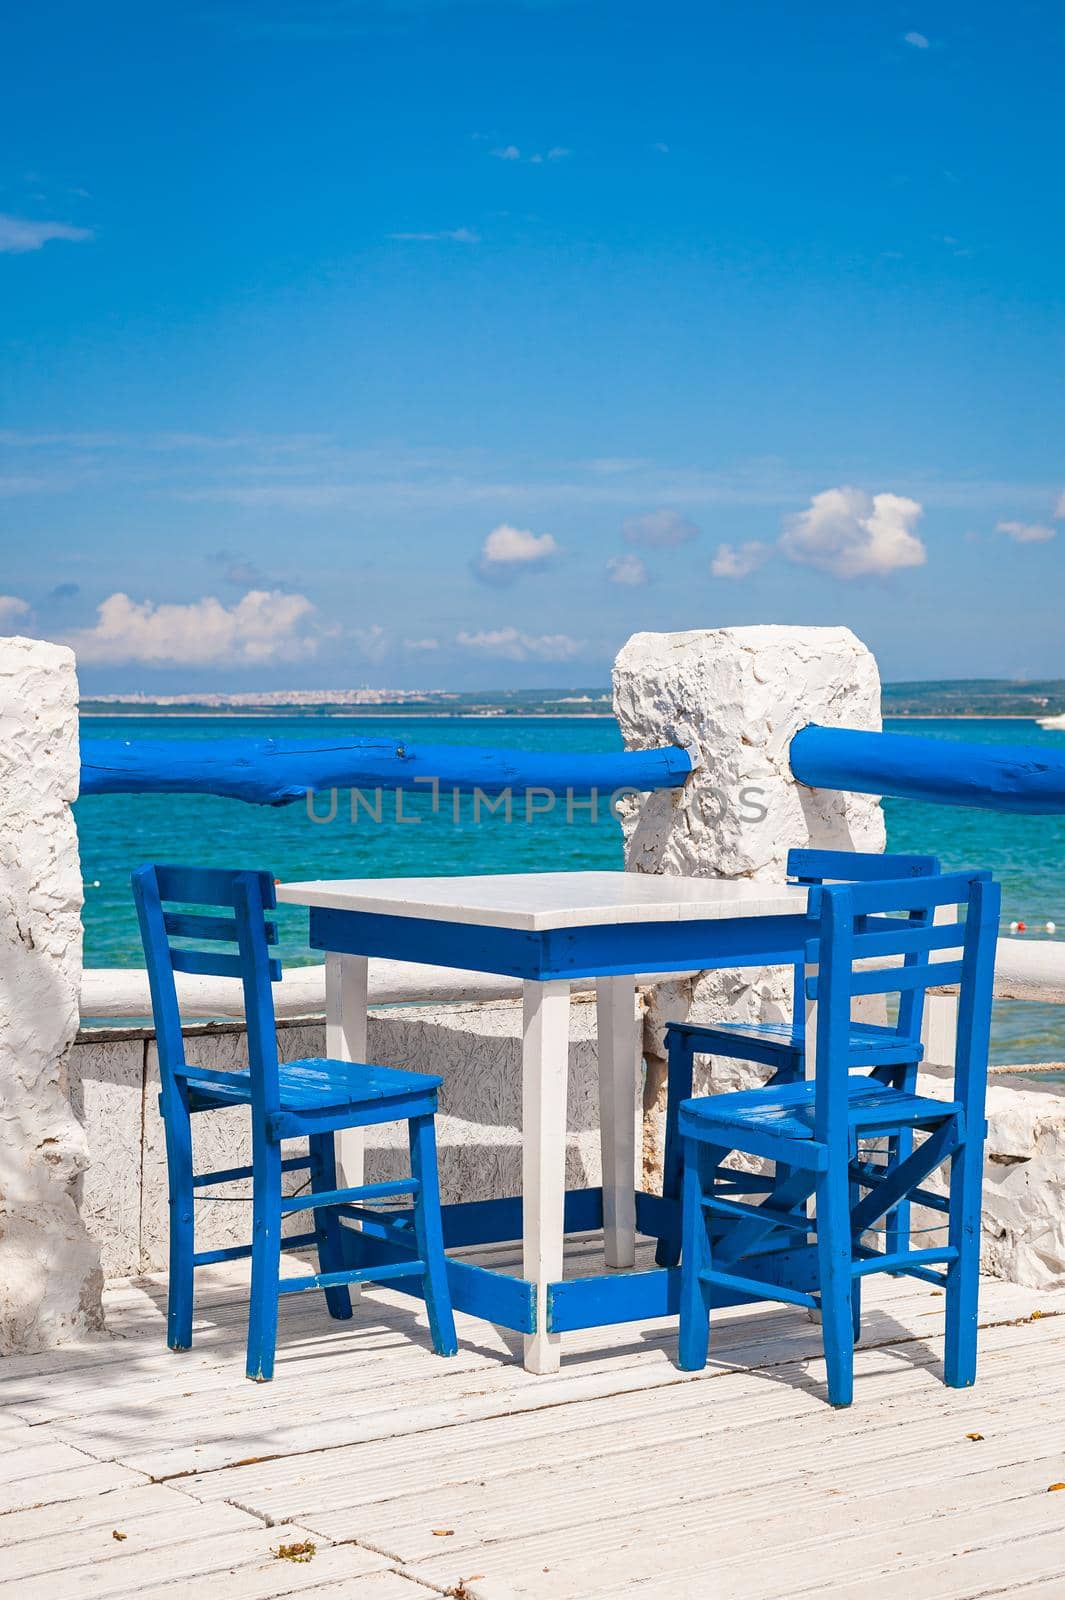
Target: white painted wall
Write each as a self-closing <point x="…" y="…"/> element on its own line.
<point x="49" y="1266"/>
<point x="474" y="1046"/>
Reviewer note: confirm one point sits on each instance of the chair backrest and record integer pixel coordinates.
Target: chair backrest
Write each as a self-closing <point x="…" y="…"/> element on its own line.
<point x="895" y="922"/>
<point x="234" y="944"/>
<point x="859" y="866"/>
<point x="856" y="866"/>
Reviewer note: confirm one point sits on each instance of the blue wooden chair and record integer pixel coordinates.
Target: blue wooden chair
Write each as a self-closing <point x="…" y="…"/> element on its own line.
<point x="814" y="1131"/>
<point x="781" y="1045"/>
<point x="288" y="1100"/>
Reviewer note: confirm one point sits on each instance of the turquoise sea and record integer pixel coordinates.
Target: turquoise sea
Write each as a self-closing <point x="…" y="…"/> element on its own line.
<point x="117" y="832"/>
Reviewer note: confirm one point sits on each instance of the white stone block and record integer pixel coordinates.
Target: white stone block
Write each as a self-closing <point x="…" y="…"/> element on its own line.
<point x="50" y="1277"/>
<point x="734" y="697"/>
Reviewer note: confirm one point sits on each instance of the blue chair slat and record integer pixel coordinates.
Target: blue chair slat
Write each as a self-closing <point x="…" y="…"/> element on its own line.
<point x="782" y="1045"/>
<point x="216" y="964"/>
<point x="310" y="1098"/>
<point x="849" y="866"/>
<point x="812" y="1131"/>
<point x="192" y="925"/>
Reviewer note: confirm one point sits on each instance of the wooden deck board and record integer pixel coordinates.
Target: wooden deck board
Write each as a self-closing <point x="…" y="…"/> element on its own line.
<point x="618" y="1476"/>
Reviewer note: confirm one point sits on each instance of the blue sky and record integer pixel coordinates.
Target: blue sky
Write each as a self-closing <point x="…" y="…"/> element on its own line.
<point x="448" y="342"/>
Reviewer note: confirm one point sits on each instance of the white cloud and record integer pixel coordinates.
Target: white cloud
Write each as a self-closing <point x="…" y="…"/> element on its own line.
<point x="19" y="235"/>
<point x="511" y="152"/>
<point x="262" y="626"/>
<point x="659" y="529"/>
<point x="1059" y="509"/>
<point x="511" y="645"/>
<point x="1026" y="532"/>
<point x="449" y="235"/>
<point x="11" y="609"/>
<point x="660" y="147"/>
<point x="507" y="552"/>
<point x="630" y="571"/>
<point x="851" y="534"/>
<point x="373" y="642"/>
<point x="739" y="561"/>
<point x="917" y="40"/>
<point x="421" y="644"/>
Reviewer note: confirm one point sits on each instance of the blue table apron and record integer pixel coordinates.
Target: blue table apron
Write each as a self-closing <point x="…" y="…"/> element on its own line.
<point x="553" y="958"/>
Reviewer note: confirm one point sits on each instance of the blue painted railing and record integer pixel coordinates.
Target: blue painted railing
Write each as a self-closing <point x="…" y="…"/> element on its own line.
<point x="1023" y="778"/>
<point x="274" y="772"/>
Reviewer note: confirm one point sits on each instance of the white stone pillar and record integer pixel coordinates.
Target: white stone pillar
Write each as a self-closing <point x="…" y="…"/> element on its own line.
<point x="49" y="1268"/>
<point x="734" y="697"/>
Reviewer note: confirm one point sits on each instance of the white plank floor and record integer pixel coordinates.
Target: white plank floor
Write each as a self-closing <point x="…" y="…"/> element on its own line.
<point x="127" y="1471"/>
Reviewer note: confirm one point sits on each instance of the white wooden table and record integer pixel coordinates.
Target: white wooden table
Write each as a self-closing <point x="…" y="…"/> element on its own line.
<point x="548" y="929"/>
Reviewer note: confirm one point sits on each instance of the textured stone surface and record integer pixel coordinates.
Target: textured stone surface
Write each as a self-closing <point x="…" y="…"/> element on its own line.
<point x="50" y="1278"/>
<point x="106" y="1077"/>
<point x="1024" y="1185"/>
<point x="1023" y="1221"/>
<point x="476" y="1049"/>
<point x="734" y="697"/>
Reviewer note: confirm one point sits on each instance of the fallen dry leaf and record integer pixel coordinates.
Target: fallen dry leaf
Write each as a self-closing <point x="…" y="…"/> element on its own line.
<point x="1054" y="1487"/>
<point x="974" y="1436"/>
<point x="120" y="1536"/>
<point x="302" y="1551"/>
<point x="442" y="1533"/>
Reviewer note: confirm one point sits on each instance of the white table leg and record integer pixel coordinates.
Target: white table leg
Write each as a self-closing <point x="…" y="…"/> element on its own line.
<point x="545" y="1073"/>
<point x="346" y="991"/>
<point x="615" y="1009"/>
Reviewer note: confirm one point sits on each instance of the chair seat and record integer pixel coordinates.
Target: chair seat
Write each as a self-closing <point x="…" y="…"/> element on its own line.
<point x="315" y="1084"/>
<point x="787" y="1110"/>
<point x="869" y="1042"/>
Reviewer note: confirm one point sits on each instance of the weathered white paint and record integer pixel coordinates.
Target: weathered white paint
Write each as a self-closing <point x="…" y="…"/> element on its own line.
<point x="50" y="1280"/>
<point x="108" y="993"/>
<point x="619" y="1061"/>
<point x="735" y="697"/>
<point x="1024" y="970"/>
<point x="544" y="1061"/>
<point x="346" y="1000"/>
<point x="619" y="1479"/>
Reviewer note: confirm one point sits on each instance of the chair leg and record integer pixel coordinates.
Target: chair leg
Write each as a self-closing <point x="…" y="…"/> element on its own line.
<point x="429" y="1235"/>
<point x="834" y="1260"/>
<point x="897" y="1221"/>
<point x="678" y="1088"/>
<point x="182" y="1225"/>
<point x="698" y="1164"/>
<point x="265" y="1258"/>
<point x="327" y="1225"/>
<point x="963" y="1275"/>
<point x="854" y="1195"/>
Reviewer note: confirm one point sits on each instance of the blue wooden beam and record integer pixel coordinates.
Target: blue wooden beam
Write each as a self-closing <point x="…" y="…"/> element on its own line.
<point x="1024" y="778"/>
<point x="275" y="772"/>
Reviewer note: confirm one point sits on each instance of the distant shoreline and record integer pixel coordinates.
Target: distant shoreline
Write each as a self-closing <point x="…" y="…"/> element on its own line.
<point x="392" y="713"/>
<point x="963" y="716"/>
<point x="357" y="713"/>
